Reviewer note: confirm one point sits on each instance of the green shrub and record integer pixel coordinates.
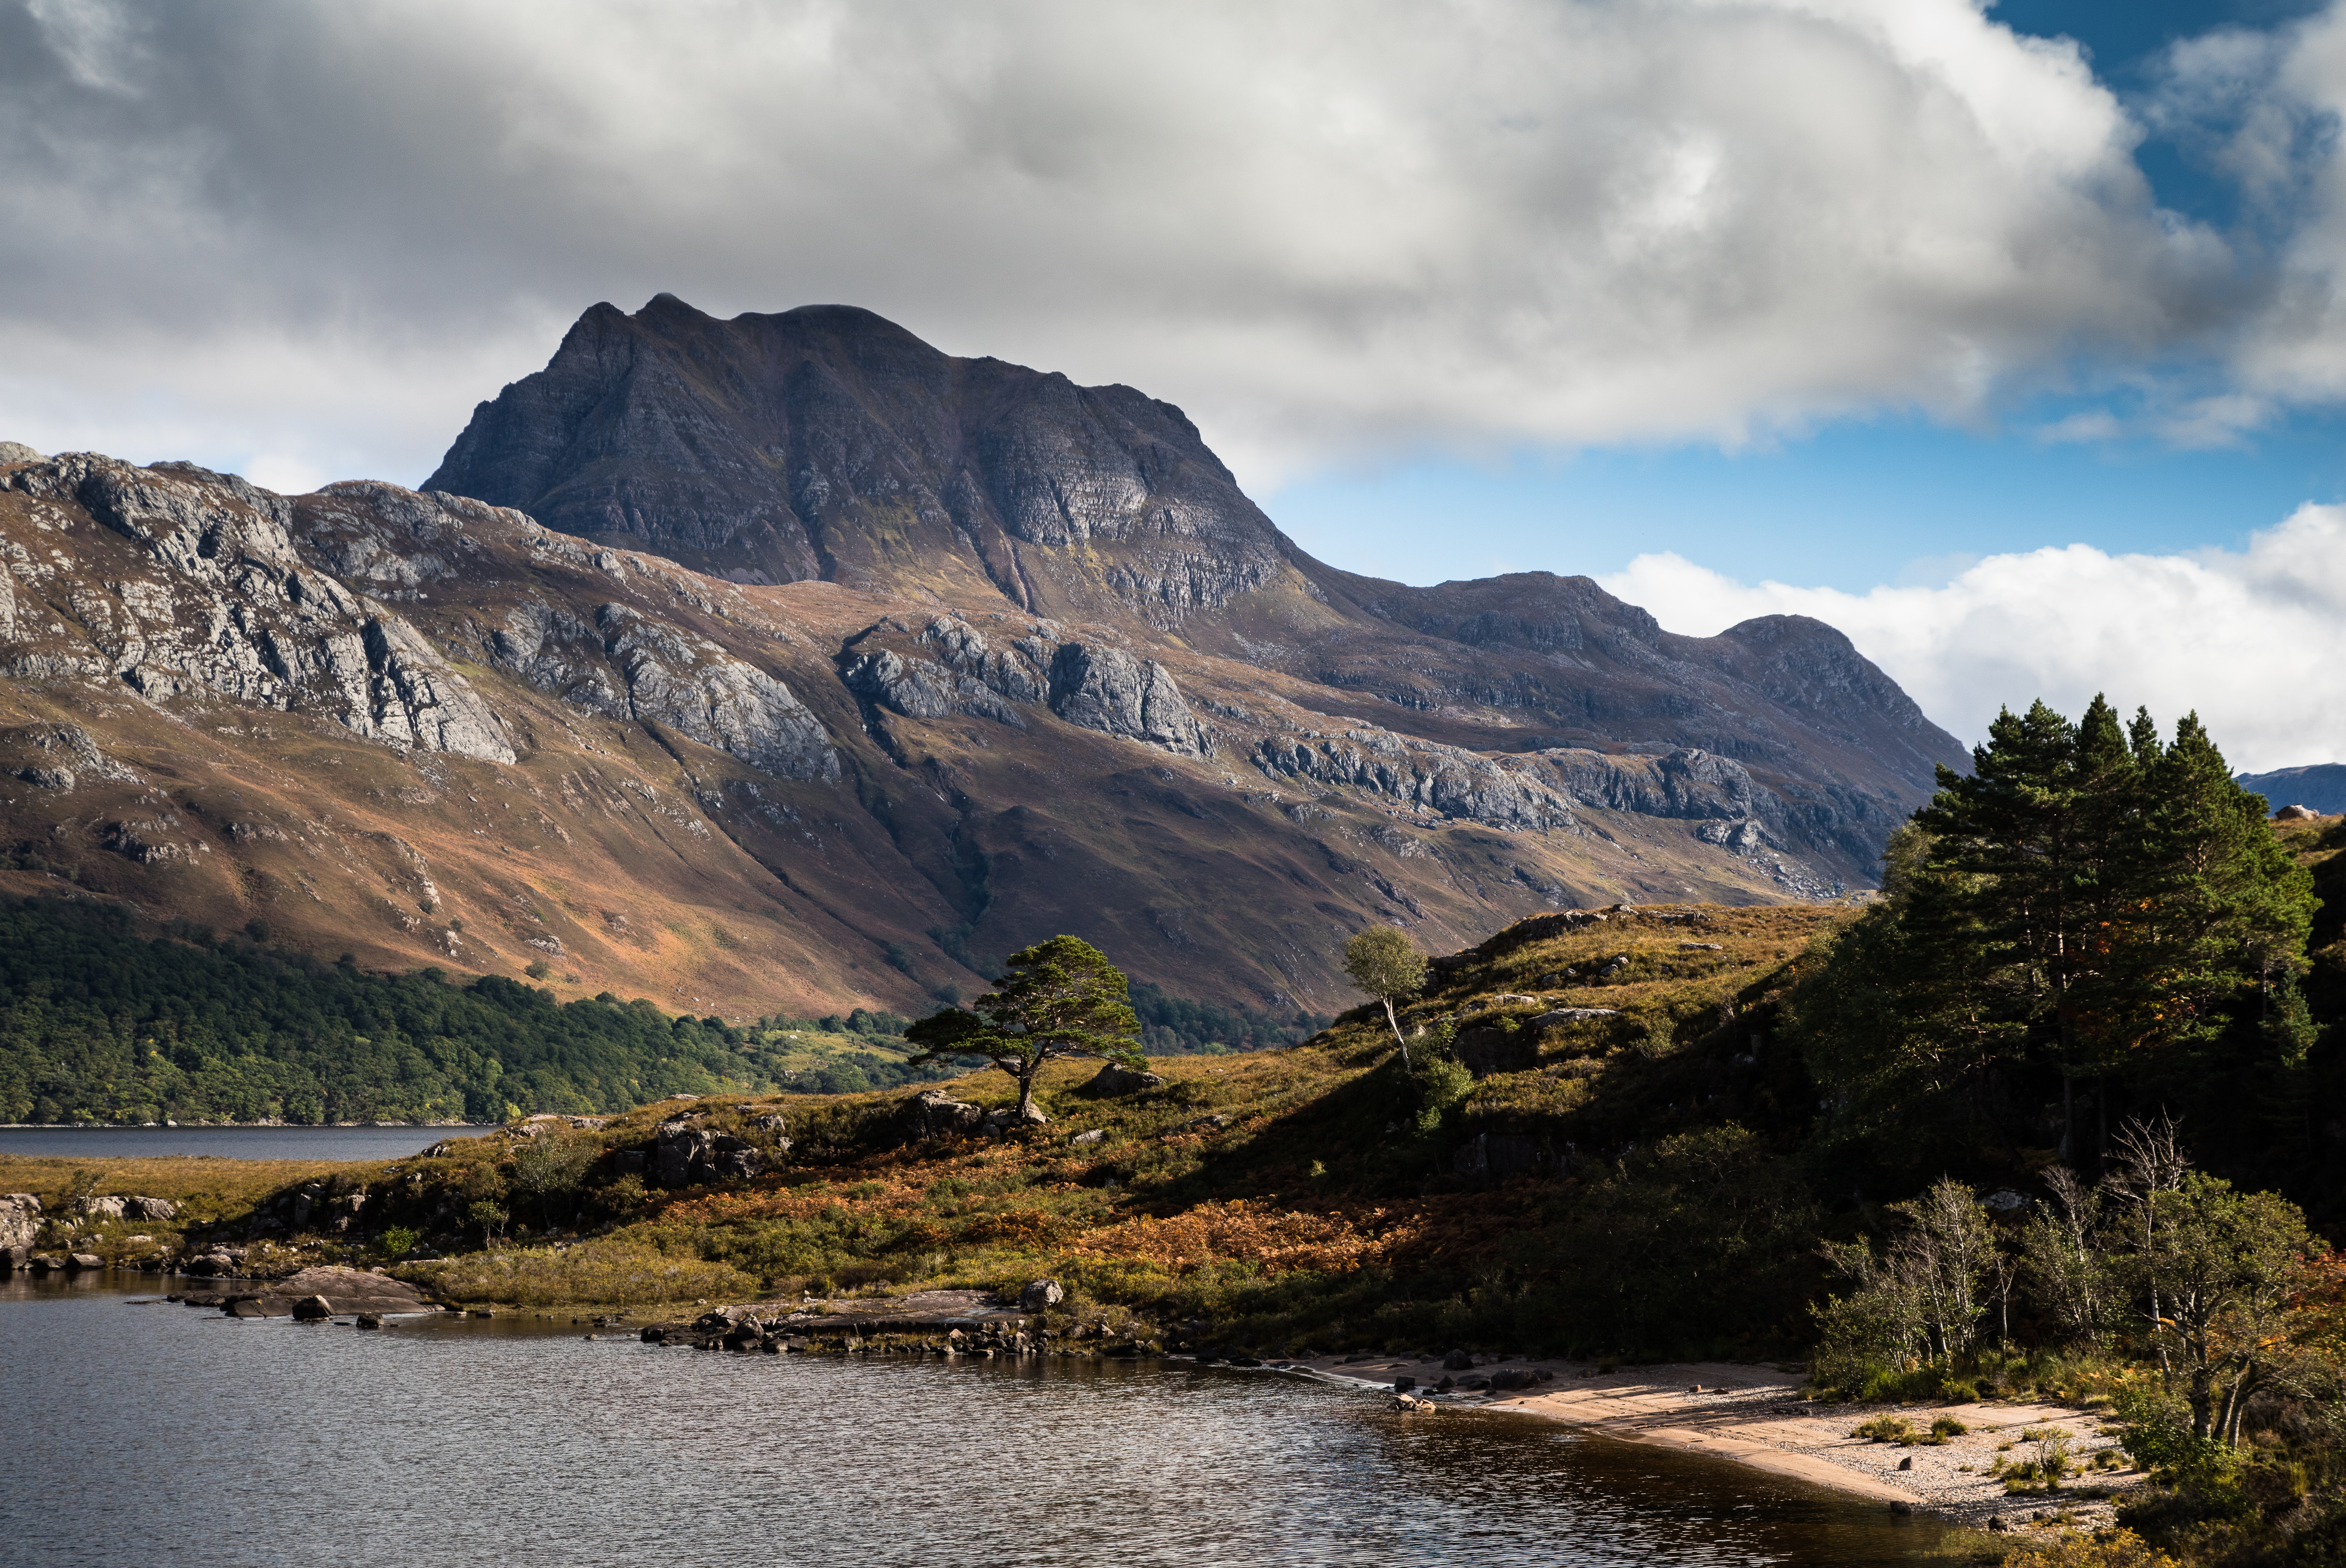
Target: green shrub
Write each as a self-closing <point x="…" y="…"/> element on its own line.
<point x="399" y="1240"/>
<point x="1948" y="1427"/>
<point x="1887" y="1429"/>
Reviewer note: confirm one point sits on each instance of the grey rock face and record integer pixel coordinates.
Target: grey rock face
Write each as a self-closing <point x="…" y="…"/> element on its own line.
<point x="230" y="606"/>
<point x="17" y="452"/>
<point x="627" y="665"/>
<point x="1679" y="783"/>
<point x="99" y="1207"/>
<point x="842" y="443"/>
<point x="1443" y="780"/>
<point x="20" y="1226"/>
<point x="1040" y="1294"/>
<point x="1111" y="691"/>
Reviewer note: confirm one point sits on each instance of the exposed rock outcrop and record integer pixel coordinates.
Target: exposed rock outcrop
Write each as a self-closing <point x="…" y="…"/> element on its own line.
<point x="227" y="603"/>
<point x="934" y="1114"/>
<point x="1441" y="779"/>
<point x="1109" y="690"/>
<point x="686" y="1155"/>
<point x="20" y="1227"/>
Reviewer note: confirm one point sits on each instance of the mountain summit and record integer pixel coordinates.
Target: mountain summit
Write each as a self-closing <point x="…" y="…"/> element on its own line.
<point x="827" y="443"/>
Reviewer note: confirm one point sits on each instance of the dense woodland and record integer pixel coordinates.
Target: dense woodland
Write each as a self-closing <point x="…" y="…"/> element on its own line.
<point x="99" y="1023"/>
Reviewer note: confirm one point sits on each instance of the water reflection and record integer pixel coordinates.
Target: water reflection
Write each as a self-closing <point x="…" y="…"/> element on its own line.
<point x="513" y="1441"/>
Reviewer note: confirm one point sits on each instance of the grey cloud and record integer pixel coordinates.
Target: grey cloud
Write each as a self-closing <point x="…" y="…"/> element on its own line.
<point x="313" y="234"/>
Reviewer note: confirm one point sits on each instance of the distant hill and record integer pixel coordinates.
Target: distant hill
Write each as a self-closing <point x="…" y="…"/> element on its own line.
<point x="2321" y="786"/>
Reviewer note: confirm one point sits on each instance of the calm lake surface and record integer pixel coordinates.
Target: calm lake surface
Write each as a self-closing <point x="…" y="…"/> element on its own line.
<point x="229" y="1143"/>
<point x="139" y="1429"/>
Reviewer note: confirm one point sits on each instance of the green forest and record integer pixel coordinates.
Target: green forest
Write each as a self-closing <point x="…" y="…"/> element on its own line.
<point x="101" y="1024"/>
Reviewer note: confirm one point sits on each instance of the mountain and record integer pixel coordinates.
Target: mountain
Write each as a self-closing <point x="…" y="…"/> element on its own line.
<point x="787" y="664"/>
<point x="2320" y="787"/>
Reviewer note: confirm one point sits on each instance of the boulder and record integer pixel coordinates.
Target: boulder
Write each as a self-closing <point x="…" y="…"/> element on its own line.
<point x="100" y="1208"/>
<point x="47" y="1263"/>
<point x="20" y="1223"/>
<point x="1042" y="1293"/>
<point x="85" y="1260"/>
<point x="249" y="1307"/>
<point x="686" y="1155"/>
<point x="1097" y="1136"/>
<point x="2295" y="814"/>
<point x="1457" y="1361"/>
<point x="149" y="1208"/>
<point x="369" y="1319"/>
<point x="934" y="1114"/>
<point x="347" y="1290"/>
<point x="312" y="1309"/>
<point x="1006" y="1117"/>
<point x="1403" y="1385"/>
<point x="1113" y="1080"/>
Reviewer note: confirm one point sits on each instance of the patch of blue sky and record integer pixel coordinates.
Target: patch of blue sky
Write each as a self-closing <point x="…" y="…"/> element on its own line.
<point x="1857" y="504"/>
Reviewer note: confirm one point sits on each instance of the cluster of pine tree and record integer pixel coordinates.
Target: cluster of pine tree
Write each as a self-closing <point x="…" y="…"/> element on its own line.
<point x="2093" y="918"/>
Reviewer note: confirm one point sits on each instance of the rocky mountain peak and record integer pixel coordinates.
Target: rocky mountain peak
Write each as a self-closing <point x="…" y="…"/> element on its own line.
<point x="827" y="443"/>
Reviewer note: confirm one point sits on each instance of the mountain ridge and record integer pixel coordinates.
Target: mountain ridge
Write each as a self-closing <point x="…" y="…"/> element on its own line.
<point x="433" y="728"/>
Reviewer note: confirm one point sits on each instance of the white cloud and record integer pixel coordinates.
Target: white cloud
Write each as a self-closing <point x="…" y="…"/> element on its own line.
<point x="2253" y="640"/>
<point x="1326" y="227"/>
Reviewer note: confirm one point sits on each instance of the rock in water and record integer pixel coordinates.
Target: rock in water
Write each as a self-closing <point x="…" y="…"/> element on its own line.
<point x="312" y="1309"/>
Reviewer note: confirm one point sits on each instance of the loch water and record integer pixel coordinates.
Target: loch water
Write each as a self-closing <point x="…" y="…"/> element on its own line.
<point x="229" y="1143"/>
<point x="138" y="1429"/>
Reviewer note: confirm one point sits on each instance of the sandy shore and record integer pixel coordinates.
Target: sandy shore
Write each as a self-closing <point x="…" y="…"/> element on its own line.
<point x="1755" y="1416"/>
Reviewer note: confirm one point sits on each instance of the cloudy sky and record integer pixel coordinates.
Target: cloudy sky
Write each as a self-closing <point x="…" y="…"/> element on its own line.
<point x="2010" y="340"/>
